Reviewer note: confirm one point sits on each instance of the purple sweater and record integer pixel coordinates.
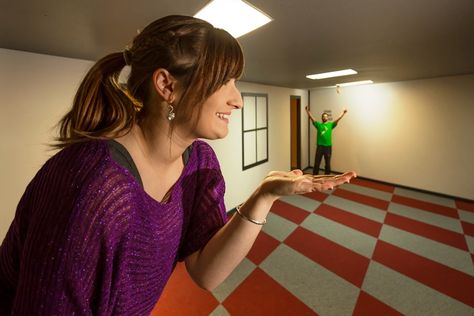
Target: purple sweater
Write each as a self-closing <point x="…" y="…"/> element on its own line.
<point x="86" y="238"/>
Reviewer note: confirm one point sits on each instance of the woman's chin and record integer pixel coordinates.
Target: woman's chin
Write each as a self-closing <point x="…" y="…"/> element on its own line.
<point x="218" y="135"/>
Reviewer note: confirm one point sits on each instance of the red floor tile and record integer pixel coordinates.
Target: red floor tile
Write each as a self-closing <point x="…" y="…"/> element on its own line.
<point x="263" y="246"/>
<point x="427" y="206"/>
<point x="468" y="228"/>
<point x="442" y="235"/>
<point x="259" y="294"/>
<point x="318" y="196"/>
<point x="340" y="260"/>
<point x="465" y="205"/>
<point x="373" y="185"/>
<point x="369" y="305"/>
<point x="182" y="296"/>
<point x="290" y="212"/>
<point x="444" y="279"/>
<point x="359" y="223"/>
<point x="360" y="198"/>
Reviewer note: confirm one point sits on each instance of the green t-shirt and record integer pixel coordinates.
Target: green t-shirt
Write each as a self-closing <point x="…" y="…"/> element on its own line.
<point x="324" y="132"/>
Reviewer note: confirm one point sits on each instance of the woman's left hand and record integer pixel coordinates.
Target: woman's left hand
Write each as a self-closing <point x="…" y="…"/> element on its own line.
<point x="280" y="183"/>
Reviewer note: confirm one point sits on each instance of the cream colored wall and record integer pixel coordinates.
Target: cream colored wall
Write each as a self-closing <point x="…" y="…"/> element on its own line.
<point x="418" y="133"/>
<point x="36" y="90"/>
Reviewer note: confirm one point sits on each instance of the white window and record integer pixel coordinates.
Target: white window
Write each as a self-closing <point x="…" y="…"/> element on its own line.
<point x="254" y="130"/>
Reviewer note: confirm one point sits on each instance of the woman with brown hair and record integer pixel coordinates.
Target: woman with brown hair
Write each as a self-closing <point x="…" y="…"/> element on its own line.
<point x="133" y="190"/>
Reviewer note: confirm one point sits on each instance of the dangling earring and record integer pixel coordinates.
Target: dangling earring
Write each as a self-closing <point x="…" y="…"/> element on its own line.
<point x="171" y="114"/>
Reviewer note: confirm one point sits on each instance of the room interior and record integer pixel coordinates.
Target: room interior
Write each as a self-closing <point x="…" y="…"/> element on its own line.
<point x="408" y="135"/>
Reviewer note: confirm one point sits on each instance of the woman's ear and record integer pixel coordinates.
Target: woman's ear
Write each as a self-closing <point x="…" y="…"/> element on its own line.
<point x="164" y="84"/>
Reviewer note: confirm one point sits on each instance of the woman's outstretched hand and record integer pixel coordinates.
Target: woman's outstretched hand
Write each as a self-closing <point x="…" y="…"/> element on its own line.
<point x="280" y="183"/>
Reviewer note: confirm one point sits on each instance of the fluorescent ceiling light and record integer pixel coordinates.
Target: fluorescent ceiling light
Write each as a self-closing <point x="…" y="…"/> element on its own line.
<point x="331" y="74"/>
<point x="235" y="16"/>
<point x="354" y="83"/>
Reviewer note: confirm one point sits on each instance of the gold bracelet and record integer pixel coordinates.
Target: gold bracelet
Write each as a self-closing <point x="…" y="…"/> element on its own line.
<point x="250" y="219"/>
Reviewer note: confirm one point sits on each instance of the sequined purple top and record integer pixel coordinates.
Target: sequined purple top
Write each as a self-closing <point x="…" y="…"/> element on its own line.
<point x="87" y="240"/>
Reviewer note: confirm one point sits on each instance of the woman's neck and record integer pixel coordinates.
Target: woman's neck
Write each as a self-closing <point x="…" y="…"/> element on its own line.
<point x="157" y="156"/>
<point x="155" y="141"/>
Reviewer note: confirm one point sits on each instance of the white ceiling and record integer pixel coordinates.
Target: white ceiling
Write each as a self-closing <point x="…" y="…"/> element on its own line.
<point x="384" y="40"/>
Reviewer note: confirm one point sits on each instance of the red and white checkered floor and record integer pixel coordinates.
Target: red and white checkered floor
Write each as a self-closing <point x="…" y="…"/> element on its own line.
<point x="364" y="249"/>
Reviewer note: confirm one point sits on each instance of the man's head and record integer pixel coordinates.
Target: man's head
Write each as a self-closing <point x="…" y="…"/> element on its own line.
<point x="325" y="117"/>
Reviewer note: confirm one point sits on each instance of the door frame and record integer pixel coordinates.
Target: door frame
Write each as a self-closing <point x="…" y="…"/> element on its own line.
<point x="297" y="98"/>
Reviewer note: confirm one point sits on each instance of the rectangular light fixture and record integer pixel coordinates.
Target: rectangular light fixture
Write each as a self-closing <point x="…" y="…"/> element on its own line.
<point x="354" y="83"/>
<point x="235" y="16"/>
<point x="331" y="74"/>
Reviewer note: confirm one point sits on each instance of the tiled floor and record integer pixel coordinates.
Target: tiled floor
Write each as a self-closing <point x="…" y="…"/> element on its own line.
<point x="364" y="249"/>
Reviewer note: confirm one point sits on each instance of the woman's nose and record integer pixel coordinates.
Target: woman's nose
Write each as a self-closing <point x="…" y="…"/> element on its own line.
<point x="236" y="98"/>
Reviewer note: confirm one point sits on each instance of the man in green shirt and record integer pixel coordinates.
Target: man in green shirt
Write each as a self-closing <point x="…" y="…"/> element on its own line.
<point x="324" y="140"/>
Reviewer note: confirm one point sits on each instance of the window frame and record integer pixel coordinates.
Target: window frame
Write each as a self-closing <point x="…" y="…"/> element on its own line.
<point x="255" y="130"/>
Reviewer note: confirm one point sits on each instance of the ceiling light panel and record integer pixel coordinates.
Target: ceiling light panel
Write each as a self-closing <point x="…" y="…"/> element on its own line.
<point x="332" y="74"/>
<point x="235" y="16"/>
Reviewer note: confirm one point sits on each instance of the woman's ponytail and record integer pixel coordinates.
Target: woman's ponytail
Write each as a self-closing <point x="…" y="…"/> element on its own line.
<point x="102" y="108"/>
